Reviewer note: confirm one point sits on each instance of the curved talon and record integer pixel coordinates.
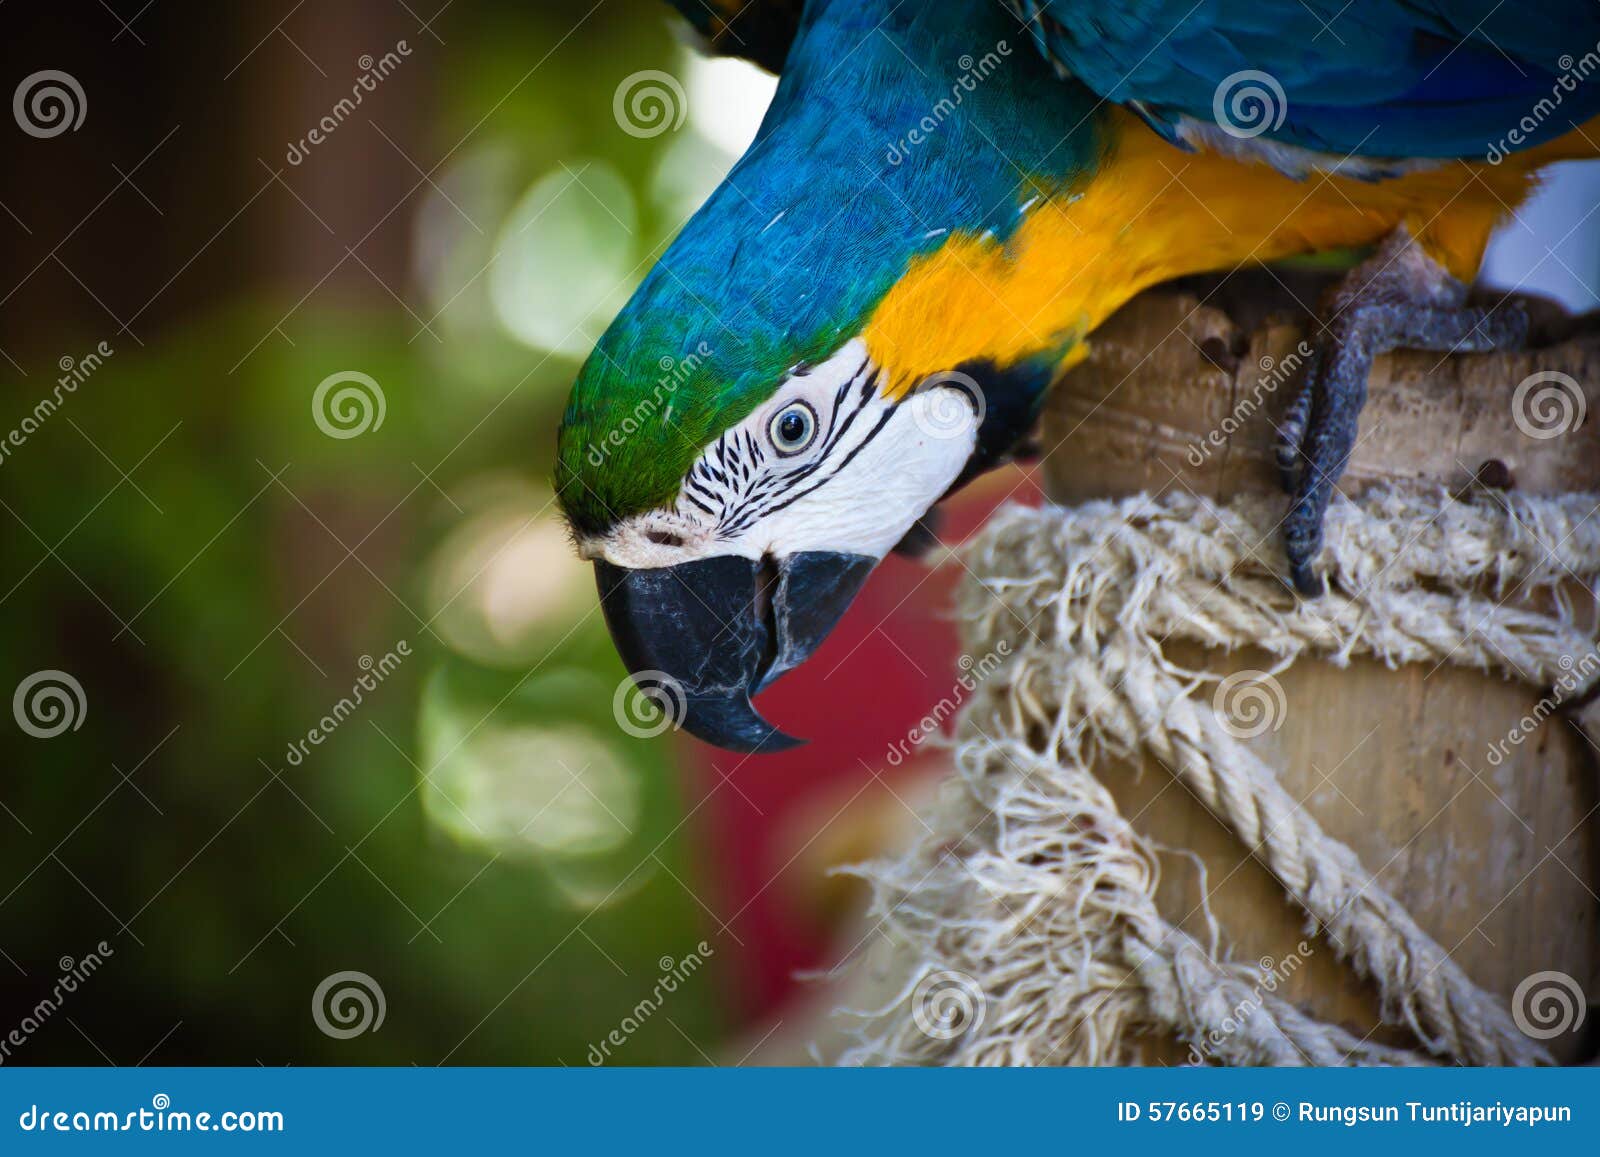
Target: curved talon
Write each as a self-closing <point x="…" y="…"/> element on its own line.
<point x="1398" y="299"/>
<point x="1335" y="395"/>
<point x="1307" y="580"/>
<point x="1292" y="431"/>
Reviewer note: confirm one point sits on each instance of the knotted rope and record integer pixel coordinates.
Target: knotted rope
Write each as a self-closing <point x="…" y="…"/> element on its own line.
<point x="1023" y="924"/>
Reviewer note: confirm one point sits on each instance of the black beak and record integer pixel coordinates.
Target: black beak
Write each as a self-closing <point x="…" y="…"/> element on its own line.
<point x="702" y="637"/>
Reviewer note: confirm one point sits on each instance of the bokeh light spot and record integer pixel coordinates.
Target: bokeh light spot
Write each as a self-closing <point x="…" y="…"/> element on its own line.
<point x="564" y="261"/>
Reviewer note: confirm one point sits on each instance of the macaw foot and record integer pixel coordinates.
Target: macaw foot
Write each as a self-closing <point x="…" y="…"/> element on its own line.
<point x="1399" y="298"/>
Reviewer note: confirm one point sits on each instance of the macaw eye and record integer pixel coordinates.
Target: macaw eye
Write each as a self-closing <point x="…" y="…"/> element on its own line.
<point x="792" y="428"/>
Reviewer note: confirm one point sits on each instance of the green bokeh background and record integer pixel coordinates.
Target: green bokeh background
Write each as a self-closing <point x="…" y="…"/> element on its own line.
<point x="185" y="542"/>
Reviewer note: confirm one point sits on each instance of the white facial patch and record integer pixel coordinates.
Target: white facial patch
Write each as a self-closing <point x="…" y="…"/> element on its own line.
<point x="868" y="471"/>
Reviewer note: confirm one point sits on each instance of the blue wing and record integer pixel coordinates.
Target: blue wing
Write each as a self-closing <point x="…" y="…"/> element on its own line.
<point x="1371" y="78"/>
<point x="1367" y="78"/>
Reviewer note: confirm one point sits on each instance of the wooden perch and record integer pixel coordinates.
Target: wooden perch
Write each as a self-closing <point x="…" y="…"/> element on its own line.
<point x="1496" y="861"/>
<point x="1167" y="373"/>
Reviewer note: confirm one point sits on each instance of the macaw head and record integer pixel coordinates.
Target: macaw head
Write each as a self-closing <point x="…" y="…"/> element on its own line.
<point x="787" y="394"/>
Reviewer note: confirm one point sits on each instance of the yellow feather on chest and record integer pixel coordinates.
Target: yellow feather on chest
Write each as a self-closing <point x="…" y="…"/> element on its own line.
<point x="1151" y="212"/>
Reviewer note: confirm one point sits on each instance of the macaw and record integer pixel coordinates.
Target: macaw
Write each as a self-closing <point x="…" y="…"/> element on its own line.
<point x="944" y="200"/>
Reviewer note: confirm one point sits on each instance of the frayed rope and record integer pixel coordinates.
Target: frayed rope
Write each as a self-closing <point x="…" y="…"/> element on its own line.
<point x="1031" y="889"/>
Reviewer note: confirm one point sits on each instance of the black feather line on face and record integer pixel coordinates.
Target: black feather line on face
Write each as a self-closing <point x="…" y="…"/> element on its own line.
<point x="854" y="450"/>
<point x="837" y="429"/>
<point x="848" y="458"/>
<point x="1012" y="396"/>
<point x="730" y="483"/>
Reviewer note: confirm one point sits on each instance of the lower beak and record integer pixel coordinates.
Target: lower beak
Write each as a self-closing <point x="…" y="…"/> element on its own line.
<point x="704" y="636"/>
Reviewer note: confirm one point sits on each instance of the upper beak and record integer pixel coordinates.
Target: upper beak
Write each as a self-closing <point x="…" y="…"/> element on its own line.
<point x="717" y="630"/>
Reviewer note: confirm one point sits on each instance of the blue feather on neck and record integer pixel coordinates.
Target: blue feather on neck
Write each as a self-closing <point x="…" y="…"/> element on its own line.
<point x="894" y="126"/>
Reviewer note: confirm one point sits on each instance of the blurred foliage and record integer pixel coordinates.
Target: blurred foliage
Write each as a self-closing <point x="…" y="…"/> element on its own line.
<point x="477" y="835"/>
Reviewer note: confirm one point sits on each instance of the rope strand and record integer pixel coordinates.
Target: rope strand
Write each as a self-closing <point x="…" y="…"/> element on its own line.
<point x="1032" y="886"/>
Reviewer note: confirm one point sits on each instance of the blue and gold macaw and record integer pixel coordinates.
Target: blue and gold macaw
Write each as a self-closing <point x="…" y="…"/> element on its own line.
<point x="945" y="199"/>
